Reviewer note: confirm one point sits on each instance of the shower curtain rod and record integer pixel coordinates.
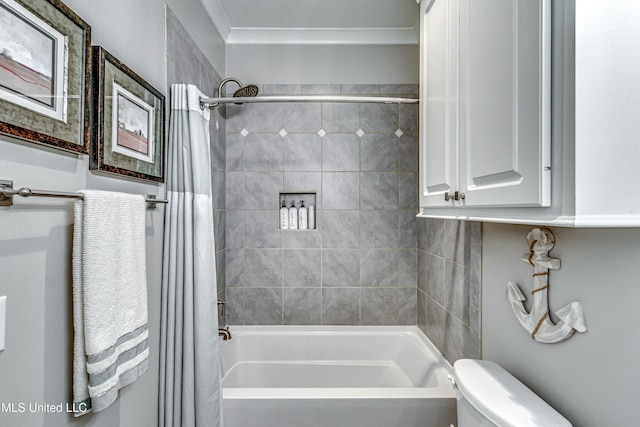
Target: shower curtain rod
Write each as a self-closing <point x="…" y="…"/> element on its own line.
<point x="213" y="102"/>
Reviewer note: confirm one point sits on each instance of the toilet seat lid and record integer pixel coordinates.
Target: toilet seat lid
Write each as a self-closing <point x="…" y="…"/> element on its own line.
<point x="501" y="398"/>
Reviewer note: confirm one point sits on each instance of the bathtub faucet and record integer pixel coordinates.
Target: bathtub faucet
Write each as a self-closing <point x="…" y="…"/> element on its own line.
<point x="225" y="333"/>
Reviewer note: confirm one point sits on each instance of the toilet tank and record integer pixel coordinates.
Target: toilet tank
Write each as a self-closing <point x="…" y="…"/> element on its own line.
<point x="490" y="396"/>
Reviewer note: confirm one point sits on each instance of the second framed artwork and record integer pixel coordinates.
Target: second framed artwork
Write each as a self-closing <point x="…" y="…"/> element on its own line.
<point x="128" y="130"/>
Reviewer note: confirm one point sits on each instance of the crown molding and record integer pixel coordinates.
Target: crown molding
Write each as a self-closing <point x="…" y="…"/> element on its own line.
<point x="218" y="17"/>
<point x="322" y="36"/>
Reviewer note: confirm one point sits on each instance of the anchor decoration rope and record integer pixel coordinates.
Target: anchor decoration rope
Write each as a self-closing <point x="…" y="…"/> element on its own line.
<point x="538" y="322"/>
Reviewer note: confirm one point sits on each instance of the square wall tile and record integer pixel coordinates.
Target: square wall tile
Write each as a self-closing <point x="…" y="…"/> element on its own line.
<point x="379" y="306"/>
<point x="340" y="190"/>
<point x="302" y="268"/>
<point x="340" y="229"/>
<point x="379" y="229"/>
<point x="379" y="152"/>
<point x="340" y="152"/>
<point x="262" y="190"/>
<point x="379" y="268"/>
<point x="264" y="117"/>
<point x="302" y="306"/>
<point x="341" y="306"/>
<point x="379" y="190"/>
<point x="379" y="117"/>
<point x="263" y="306"/>
<point x="302" y="117"/>
<point x="340" y="118"/>
<point x="263" y="152"/>
<point x="340" y="268"/>
<point x="302" y="152"/>
<point x="263" y="268"/>
<point x="261" y="229"/>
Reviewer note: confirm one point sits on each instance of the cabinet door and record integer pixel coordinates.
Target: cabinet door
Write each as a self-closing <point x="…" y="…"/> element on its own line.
<point x="439" y="101"/>
<point x="505" y="102"/>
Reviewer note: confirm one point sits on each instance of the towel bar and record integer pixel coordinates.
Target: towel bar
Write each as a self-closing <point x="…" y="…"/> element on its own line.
<point x="7" y="192"/>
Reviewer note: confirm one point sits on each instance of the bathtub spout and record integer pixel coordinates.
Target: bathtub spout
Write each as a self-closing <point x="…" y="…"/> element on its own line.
<point x="225" y="333"/>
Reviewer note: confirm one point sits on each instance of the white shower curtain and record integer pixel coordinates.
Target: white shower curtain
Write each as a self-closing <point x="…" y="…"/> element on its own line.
<point x="190" y="392"/>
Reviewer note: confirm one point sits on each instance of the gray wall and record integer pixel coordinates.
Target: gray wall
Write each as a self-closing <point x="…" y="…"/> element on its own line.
<point x="449" y="268"/>
<point x="35" y="237"/>
<point x="321" y="64"/>
<point x="592" y="378"/>
<point x="359" y="266"/>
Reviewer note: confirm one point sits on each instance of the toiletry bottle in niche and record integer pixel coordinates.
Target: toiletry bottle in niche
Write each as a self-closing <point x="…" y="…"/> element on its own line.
<point x="284" y="216"/>
<point x="311" y="210"/>
<point x="302" y="216"/>
<point x="293" y="216"/>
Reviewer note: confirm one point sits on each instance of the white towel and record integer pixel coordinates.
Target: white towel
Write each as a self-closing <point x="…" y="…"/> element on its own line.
<point x="109" y="297"/>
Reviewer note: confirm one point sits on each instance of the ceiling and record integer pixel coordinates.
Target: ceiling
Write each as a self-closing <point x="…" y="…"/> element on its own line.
<point x="315" y="21"/>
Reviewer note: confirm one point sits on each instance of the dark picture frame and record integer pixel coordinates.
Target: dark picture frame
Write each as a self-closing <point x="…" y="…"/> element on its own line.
<point x="128" y="128"/>
<point x="45" y="68"/>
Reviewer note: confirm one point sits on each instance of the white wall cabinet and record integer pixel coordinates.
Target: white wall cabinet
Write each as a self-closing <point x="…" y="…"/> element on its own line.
<point x="486" y="103"/>
<point x="529" y="138"/>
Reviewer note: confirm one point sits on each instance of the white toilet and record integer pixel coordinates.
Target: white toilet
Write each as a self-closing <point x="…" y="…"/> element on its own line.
<point x="487" y="395"/>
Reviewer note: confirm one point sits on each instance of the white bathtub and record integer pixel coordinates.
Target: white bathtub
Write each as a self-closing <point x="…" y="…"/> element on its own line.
<point x="333" y="376"/>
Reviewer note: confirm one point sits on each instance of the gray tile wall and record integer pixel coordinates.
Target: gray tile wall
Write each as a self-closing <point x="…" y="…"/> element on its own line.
<point x="187" y="64"/>
<point x="359" y="267"/>
<point x="449" y="271"/>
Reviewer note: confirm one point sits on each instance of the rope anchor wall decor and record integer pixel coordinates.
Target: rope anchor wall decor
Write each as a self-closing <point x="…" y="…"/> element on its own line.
<point x="537" y="322"/>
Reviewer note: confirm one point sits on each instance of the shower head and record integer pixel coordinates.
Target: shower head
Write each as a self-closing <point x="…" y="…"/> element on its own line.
<point x="246" y="91"/>
<point x="242" y="92"/>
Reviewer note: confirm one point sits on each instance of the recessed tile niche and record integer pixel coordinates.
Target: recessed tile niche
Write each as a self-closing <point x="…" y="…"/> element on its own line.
<point x="297" y="199"/>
